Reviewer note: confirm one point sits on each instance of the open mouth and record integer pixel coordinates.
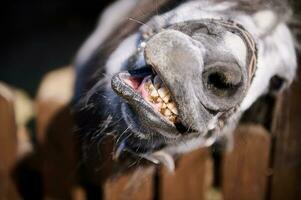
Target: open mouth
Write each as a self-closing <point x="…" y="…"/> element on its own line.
<point x="154" y="92"/>
<point x="147" y="84"/>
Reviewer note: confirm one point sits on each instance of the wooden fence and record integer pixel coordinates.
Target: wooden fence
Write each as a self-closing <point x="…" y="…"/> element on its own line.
<point x="264" y="164"/>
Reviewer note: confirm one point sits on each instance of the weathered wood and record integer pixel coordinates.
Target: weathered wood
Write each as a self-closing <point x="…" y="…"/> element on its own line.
<point x="24" y="112"/>
<point x="8" y="144"/>
<point x="191" y="179"/>
<point x="132" y="186"/>
<point x="55" y="134"/>
<point x="286" y="158"/>
<point x="55" y="92"/>
<point x="78" y="193"/>
<point x="59" y="159"/>
<point x="245" y="169"/>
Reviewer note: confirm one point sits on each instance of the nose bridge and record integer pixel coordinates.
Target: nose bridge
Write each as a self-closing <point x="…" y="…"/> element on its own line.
<point x="179" y="62"/>
<point x="172" y="50"/>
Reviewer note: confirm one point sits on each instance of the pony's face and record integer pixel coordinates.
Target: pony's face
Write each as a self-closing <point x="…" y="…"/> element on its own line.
<point x="185" y="81"/>
<point x="182" y="81"/>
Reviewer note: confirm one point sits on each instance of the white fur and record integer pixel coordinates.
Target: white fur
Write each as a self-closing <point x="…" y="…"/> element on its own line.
<point x="265" y="20"/>
<point x="109" y="20"/>
<point x="123" y="52"/>
<point x="192" y="10"/>
<point x="237" y="47"/>
<point x="190" y="145"/>
<point x="279" y="60"/>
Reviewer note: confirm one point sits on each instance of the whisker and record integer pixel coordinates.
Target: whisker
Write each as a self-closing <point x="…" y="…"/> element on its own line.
<point x="137" y="21"/>
<point x="122" y="134"/>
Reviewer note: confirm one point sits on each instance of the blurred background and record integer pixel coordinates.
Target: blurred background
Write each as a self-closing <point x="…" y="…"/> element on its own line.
<point x="40" y="35"/>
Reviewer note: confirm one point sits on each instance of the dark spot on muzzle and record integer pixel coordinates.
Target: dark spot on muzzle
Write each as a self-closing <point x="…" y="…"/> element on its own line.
<point x="223" y="80"/>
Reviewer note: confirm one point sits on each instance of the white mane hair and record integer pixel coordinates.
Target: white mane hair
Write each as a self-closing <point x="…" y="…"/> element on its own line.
<point x="275" y="43"/>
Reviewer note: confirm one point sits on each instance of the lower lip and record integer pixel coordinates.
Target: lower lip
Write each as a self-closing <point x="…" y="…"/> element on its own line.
<point x="133" y="98"/>
<point x="142" y="91"/>
<point x="130" y="121"/>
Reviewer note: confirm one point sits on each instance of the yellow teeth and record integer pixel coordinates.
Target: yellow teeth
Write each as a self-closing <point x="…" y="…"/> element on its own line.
<point x="163" y="92"/>
<point x="154" y="93"/>
<point x="175" y="111"/>
<point x="173" y="108"/>
<point x="173" y="118"/>
<point x="171" y="105"/>
<point x="167" y="112"/>
<point x="160" y="95"/>
<point x="159" y="100"/>
<point x="151" y="86"/>
<point x="166" y="98"/>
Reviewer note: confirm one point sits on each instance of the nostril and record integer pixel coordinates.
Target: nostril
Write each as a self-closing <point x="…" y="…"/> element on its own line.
<point x="222" y="81"/>
<point x="224" y="85"/>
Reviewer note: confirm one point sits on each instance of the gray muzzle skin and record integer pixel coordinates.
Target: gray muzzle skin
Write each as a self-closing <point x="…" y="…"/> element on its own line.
<point x="207" y="65"/>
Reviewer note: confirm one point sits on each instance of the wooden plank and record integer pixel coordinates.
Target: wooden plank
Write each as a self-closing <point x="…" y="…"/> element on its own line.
<point x="54" y="93"/>
<point x="59" y="159"/>
<point x="78" y="193"/>
<point x="286" y="162"/>
<point x="8" y="144"/>
<point x="135" y="185"/>
<point x="55" y="134"/>
<point x="245" y="169"/>
<point x="191" y="178"/>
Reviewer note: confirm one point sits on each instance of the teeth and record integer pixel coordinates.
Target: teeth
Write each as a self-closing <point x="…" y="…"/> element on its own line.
<point x="173" y="108"/>
<point x="175" y="111"/>
<point x="171" y="105"/>
<point x="163" y="92"/>
<point x="166" y="98"/>
<point x="159" y="100"/>
<point x="151" y="86"/>
<point x="173" y="118"/>
<point x="161" y="96"/>
<point x="154" y="93"/>
<point x="167" y="112"/>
